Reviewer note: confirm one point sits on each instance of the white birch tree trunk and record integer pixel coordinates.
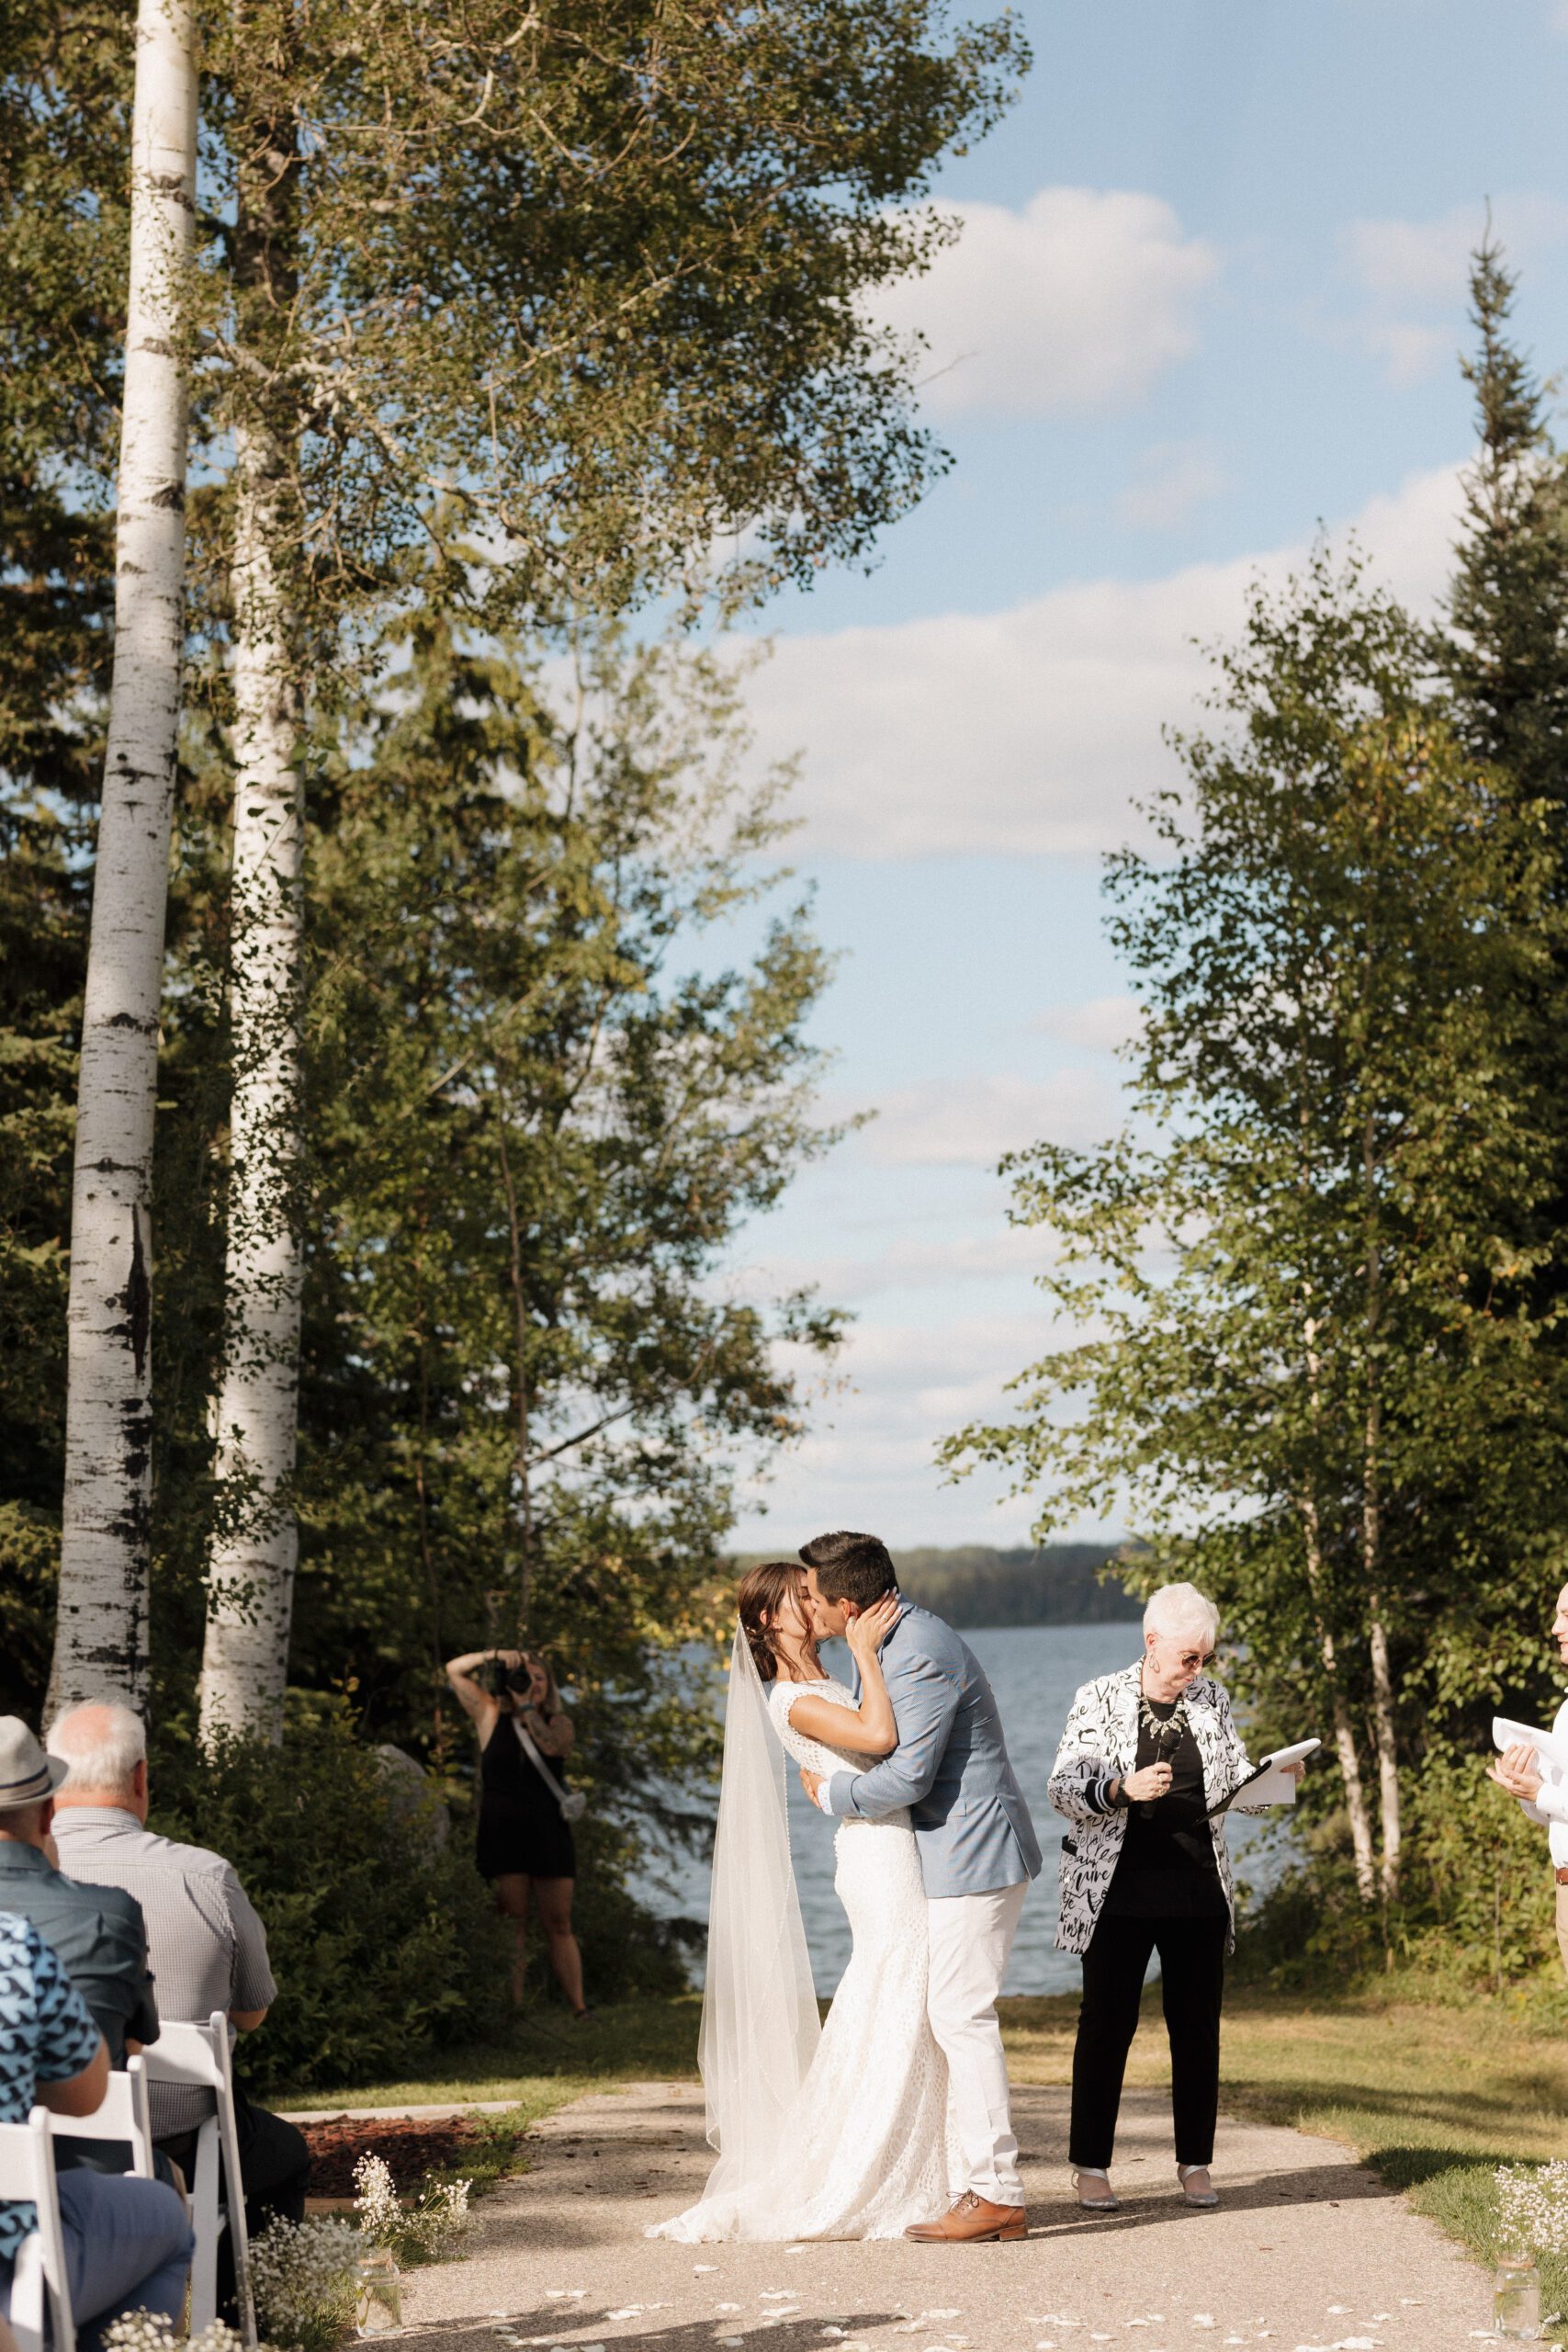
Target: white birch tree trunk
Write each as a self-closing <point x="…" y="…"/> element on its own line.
<point x="101" y="1629"/>
<point x="1385" y="1732"/>
<point x="252" y="1562"/>
<point x="1384" y="1719"/>
<point x="1343" y="1732"/>
<point x="1344" y="1729"/>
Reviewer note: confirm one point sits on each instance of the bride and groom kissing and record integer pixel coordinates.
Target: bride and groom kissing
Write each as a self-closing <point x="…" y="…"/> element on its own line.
<point x="891" y="2117"/>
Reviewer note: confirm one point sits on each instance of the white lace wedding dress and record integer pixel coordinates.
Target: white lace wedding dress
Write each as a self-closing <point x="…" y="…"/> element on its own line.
<point x="863" y="2150"/>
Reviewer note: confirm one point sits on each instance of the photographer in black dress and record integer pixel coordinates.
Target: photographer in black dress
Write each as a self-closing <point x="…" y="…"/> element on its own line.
<point x="526" y="1848"/>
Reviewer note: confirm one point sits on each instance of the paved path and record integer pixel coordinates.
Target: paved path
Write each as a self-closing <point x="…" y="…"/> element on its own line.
<point x="1306" y="2251"/>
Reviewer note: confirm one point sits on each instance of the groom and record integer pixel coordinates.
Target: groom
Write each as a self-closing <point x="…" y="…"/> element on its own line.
<point x="978" y="1852"/>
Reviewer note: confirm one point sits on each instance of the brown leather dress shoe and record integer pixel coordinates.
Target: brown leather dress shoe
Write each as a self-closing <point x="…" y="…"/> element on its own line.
<point x="971" y="2220"/>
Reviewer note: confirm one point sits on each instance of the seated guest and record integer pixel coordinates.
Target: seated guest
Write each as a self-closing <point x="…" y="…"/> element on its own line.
<point x="207" y="1945"/>
<point x="128" y="2244"/>
<point x="96" y="1932"/>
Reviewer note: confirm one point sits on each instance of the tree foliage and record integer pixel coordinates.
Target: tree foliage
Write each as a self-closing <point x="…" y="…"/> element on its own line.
<point x="1301" y="1350"/>
<point x="545" y="311"/>
<point x="592" y="276"/>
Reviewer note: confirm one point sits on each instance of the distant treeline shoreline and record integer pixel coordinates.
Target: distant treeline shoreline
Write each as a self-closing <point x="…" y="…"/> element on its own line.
<point x="973" y="1584"/>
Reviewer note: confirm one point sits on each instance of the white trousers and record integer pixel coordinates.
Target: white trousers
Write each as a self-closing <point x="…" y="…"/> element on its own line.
<point x="971" y="1938"/>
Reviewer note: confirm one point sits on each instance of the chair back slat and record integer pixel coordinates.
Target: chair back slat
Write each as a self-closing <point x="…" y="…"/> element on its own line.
<point x="185" y="2055"/>
<point x="124" y="2114"/>
<point x="197" y="2057"/>
<point x="40" y="2285"/>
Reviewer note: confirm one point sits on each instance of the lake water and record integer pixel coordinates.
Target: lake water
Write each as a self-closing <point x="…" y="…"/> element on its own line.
<point x="1034" y="1671"/>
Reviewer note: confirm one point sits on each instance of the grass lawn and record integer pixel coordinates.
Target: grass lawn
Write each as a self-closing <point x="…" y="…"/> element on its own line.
<point x="1434" y="2094"/>
<point x="543" y="2062"/>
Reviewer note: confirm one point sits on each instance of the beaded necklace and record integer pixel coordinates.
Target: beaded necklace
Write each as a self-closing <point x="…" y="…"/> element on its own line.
<point x="1165" y="1731"/>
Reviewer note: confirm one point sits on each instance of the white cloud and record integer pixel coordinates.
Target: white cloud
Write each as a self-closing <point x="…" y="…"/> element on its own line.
<point x="1082" y="300"/>
<point x="1102" y="1024"/>
<point x="1034" y="729"/>
<point x="971" y="1122"/>
<point x="1402" y="266"/>
<point x="1171" y="478"/>
<point x="1427" y="262"/>
<point x="1414" y="261"/>
<point x="1409" y="352"/>
<point x="869" y="1458"/>
<point x="997" y="1252"/>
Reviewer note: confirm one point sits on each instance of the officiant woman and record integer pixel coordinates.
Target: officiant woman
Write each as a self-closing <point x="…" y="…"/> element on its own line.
<point x="1146" y="1754"/>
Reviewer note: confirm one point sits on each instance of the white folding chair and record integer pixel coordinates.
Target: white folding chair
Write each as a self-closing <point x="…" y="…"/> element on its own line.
<point x="124" y="2115"/>
<point x="197" y="2058"/>
<point x="39" y="2285"/>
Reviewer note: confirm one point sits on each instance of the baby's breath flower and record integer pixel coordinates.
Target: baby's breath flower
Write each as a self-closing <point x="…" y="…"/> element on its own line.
<point x="1533" y="2206"/>
<point x="302" y="2276"/>
<point x="423" y="2231"/>
<point x="376" y="2204"/>
<point x="143" y="2331"/>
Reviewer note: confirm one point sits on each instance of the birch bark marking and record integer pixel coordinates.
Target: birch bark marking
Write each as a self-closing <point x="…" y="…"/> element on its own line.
<point x="251" y="1561"/>
<point x="100" y="1645"/>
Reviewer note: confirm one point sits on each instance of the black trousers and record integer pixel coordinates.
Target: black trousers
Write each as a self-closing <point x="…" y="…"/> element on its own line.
<point x="274" y="2172"/>
<point x="1192" y="1972"/>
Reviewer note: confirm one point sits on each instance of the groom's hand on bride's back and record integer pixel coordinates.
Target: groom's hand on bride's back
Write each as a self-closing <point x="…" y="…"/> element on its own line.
<point x="810" y="1782"/>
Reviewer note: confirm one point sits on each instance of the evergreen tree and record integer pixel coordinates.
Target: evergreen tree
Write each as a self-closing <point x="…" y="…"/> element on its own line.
<point x="585" y="287"/>
<point x="1507" y="651"/>
<point x="541" y="1108"/>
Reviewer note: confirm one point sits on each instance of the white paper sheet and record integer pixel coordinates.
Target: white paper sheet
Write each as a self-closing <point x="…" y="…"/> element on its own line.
<point x="1551" y="1750"/>
<point x="1274" y="1785"/>
<point x="1270" y="1784"/>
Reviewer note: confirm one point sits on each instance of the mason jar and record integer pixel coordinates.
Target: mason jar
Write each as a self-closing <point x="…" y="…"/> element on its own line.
<point x="1516" y="2297"/>
<point x="380" y="2304"/>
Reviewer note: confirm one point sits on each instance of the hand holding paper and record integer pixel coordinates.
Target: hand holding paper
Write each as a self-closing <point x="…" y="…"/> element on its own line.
<point x="1529" y="1756"/>
<point x="1549" y="1749"/>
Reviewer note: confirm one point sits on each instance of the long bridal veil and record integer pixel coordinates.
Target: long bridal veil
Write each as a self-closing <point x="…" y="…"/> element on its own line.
<point x="760" y="2027"/>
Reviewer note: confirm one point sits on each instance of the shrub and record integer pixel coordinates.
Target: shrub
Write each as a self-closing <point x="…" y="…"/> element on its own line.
<point x="1474" y="1911"/>
<point x="303" y="2275"/>
<point x="383" y="1944"/>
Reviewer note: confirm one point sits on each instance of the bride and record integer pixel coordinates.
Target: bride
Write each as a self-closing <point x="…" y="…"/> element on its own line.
<point x="836" y="2130"/>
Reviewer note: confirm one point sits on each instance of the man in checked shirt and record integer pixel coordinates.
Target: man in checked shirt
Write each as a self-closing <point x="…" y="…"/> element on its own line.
<point x="207" y="1946"/>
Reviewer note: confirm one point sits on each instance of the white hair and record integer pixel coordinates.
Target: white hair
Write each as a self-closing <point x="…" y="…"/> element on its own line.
<point x="103" y="1743"/>
<point x="1177" y="1608"/>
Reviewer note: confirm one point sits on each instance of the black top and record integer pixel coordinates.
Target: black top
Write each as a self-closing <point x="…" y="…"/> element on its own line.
<point x="1167" y="1868"/>
<point x="520" y="1826"/>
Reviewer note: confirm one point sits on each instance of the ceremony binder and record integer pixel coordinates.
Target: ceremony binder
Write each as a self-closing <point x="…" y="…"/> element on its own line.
<point x="1269" y="1783"/>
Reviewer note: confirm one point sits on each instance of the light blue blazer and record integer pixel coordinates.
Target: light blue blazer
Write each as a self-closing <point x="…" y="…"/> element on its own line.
<point x="950" y="1767"/>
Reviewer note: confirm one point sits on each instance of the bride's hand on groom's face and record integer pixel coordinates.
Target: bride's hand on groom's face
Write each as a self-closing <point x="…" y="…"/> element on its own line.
<point x="866" y="1633"/>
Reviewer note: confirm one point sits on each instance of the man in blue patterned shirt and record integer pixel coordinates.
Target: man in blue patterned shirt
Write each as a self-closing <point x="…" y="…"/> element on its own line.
<point x="128" y="2243"/>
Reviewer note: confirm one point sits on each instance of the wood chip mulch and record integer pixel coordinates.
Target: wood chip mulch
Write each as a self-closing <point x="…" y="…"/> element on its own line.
<point x="411" y="2146"/>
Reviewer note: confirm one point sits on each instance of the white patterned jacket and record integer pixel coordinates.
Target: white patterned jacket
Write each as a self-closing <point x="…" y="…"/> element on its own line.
<point x="1101" y="1741"/>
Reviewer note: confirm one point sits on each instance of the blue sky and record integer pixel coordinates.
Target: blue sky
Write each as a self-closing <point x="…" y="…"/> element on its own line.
<point x="1209" y="293"/>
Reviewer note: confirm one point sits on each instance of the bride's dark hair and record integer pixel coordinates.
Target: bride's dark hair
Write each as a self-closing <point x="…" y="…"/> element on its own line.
<point x="762" y="1594"/>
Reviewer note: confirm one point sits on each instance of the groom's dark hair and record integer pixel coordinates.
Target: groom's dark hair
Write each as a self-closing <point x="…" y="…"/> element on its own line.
<point x="851" y="1567"/>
